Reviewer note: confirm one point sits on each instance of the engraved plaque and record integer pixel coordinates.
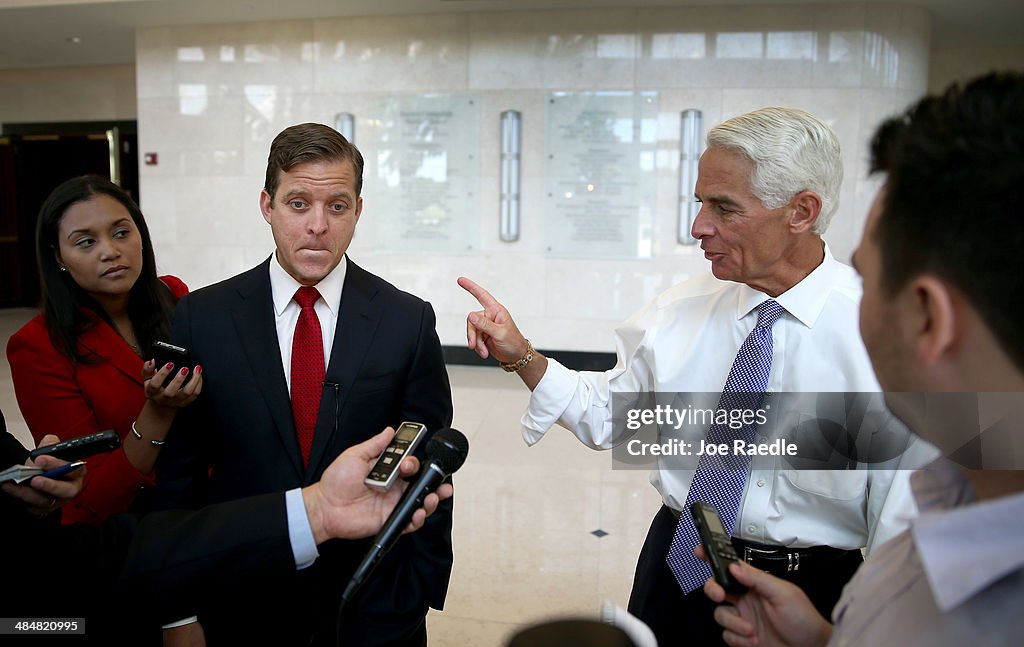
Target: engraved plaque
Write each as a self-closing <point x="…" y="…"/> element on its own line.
<point x="425" y="172"/>
<point x="600" y="174"/>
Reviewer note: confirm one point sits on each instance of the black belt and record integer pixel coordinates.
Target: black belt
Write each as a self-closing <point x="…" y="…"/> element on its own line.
<point x="778" y="560"/>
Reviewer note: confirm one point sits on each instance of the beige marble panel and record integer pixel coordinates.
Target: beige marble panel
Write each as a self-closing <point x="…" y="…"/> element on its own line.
<point x="949" y="62"/>
<point x="190" y="121"/>
<point x="231" y="59"/>
<point x="844" y="230"/>
<point x="559" y="50"/>
<point x="267" y="110"/>
<point x="87" y="93"/>
<point x="446" y="628"/>
<point x="508" y="50"/>
<point x="159" y="206"/>
<point x="154" y="63"/>
<point x="212" y="98"/>
<point x="915" y="48"/>
<point x="882" y="40"/>
<point x="396" y="54"/>
<point x="708" y="47"/>
<point x="841" y="42"/>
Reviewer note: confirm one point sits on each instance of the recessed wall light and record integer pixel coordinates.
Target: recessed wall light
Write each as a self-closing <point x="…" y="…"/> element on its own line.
<point x="74" y="40"/>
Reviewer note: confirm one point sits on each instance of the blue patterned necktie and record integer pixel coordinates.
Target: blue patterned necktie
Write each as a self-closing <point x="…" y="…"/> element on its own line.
<point x="719" y="480"/>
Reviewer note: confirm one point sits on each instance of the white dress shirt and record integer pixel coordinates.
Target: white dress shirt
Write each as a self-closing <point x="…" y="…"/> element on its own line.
<point x="955" y="578"/>
<point x="685" y="341"/>
<point x="286" y="310"/>
<point x="286" y="314"/>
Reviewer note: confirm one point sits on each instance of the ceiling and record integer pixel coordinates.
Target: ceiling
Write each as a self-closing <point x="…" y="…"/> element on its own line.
<point x="41" y="33"/>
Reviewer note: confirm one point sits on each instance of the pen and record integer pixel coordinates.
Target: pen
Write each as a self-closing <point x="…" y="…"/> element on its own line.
<point x="58" y="472"/>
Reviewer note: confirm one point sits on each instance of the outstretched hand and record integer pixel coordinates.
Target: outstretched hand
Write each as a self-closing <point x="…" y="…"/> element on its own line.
<point x="773" y="612"/>
<point x="491" y="331"/>
<point x="341" y="506"/>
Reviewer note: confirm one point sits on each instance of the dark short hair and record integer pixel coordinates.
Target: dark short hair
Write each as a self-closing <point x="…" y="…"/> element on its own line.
<point x="309" y="143"/>
<point x="954" y="201"/>
<point x="150" y="302"/>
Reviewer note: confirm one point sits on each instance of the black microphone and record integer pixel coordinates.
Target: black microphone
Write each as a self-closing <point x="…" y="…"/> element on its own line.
<point x="446" y="452"/>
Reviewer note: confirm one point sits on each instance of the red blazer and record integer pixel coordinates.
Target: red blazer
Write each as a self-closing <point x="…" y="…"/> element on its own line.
<point x="68" y="399"/>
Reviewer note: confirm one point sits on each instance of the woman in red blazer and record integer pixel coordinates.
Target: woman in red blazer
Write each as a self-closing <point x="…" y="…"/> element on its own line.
<point x="79" y="367"/>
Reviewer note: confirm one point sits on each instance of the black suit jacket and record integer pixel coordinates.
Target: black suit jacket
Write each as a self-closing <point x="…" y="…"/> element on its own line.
<point x="133" y="573"/>
<point x="238" y="439"/>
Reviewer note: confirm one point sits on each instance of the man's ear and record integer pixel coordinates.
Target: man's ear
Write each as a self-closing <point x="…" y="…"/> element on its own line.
<point x="266" y="202"/>
<point x="805" y="207"/>
<point x="935" y="319"/>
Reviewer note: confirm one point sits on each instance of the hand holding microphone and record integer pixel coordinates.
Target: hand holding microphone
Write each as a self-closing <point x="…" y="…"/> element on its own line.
<point x="446" y="452"/>
<point x="340" y="505"/>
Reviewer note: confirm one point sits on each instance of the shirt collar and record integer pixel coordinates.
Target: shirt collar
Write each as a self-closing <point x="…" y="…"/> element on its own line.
<point x="805" y="300"/>
<point x="283" y="286"/>
<point x="964" y="545"/>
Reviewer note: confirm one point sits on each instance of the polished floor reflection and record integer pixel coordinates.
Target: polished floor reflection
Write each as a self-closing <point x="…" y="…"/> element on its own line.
<point x="526" y="546"/>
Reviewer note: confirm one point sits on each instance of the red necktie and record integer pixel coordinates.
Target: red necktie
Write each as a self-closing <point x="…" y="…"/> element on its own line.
<point x="307" y="369"/>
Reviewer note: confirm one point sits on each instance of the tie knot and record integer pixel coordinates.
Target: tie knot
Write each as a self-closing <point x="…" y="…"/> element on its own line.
<point x="306" y="296"/>
<point x="768" y="313"/>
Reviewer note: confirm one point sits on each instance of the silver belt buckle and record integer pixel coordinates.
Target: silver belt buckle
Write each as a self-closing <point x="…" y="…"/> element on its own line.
<point x="793" y="558"/>
<point x="750" y="553"/>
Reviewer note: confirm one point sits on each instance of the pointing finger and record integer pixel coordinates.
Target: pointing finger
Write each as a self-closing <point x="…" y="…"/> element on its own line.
<point x="481" y="295"/>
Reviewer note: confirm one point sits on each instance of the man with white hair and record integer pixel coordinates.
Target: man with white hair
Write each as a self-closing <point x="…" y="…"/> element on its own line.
<point x="777" y="314"/>
<point x="941" y="318"/>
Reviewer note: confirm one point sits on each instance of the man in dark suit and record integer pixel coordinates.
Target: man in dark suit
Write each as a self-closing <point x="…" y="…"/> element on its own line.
<point x="295" y="376"/>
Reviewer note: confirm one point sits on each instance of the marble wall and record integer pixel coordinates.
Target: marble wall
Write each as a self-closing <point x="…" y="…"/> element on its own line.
<point x="86" y="93"/>
<point x="948" y="64"/>
<point x="211" y="98"/>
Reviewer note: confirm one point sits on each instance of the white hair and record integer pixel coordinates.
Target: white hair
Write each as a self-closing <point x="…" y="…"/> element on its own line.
<point x="792" y="151"/>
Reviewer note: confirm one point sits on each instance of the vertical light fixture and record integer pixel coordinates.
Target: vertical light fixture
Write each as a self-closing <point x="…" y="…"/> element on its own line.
<point x="114" y="153"/>
<point x="691" y="135"/>
<point x="345" y="123"/>
<point x="510" y="146"/>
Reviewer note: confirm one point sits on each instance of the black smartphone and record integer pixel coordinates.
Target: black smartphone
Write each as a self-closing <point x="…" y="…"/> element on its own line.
<point x="385" y="470"/>
<point x="82" y="447"/>
<point x="165" y="353"/>
<point x="717" y="546"/>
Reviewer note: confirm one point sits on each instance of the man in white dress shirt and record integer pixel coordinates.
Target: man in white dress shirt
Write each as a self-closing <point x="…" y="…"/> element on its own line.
<point x="769" y="183"/>
<point x="941" y="317"/>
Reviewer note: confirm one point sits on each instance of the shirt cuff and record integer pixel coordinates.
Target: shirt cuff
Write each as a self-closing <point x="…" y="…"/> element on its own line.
<point x="299" y="532"/>
<point x="180" y="623"/>
<point x="548" y="401"/>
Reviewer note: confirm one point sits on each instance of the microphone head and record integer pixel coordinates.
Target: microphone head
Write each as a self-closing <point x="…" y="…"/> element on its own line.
<point x="448" y="448"/>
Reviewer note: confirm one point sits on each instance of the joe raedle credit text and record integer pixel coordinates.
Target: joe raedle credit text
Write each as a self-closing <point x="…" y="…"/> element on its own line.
<point x="674" y="418"/>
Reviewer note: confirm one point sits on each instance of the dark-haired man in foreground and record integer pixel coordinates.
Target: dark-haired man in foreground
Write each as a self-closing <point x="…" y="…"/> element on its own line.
<point x="941" y="316"/>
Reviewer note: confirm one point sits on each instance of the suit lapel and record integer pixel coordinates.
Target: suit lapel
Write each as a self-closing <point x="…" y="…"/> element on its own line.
<point x="358" y="317"/>
<point x="103" y="341"/>
<point x="253" y="315"/>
